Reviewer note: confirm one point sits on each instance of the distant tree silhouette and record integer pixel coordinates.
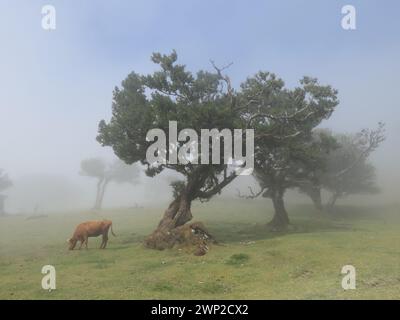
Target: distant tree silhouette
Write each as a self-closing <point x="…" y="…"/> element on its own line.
<point x="117" y="171"/>
<point x="5" y="183"/>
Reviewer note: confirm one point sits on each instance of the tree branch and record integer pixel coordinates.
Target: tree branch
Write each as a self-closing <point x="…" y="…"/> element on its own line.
<point x="217" y="188"/>
<point x="374" y="137"/>
<point x="252" y="194"/>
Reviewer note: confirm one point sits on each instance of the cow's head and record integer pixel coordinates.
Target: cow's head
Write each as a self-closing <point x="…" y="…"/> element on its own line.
<point x="71" y="243"/>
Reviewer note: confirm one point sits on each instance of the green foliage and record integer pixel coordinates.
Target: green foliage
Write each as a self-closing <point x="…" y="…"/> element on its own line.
<point x="348" y="170"/>
<point x="151" y="101"/>
<point x="93" y="167"/>
<point x="207" y="100"/>
<point x="145" y="102"/>
<point x="285" y="159"/>
<point x="344" y="167"/>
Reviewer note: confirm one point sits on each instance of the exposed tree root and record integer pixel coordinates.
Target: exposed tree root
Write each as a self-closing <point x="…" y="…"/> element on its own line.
<point x="193" y="237"/>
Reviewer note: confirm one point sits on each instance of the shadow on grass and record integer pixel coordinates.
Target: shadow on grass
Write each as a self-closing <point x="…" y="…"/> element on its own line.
<point x="353" y="213"/>
<point x="229" y="233"/>
<point x="310" y="222"/>
<point x="304" y="219"/>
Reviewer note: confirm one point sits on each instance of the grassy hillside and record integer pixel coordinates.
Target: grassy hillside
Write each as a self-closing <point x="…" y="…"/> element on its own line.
<point x="250" y="263"/>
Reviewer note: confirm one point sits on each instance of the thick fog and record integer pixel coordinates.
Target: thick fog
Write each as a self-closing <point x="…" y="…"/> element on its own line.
<point x="57" y="85"/>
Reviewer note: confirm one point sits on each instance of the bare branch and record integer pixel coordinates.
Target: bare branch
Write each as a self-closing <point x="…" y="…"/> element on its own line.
<point x="224" y="78"/>
<point x="373" y="139"/>
<point x="217" y="188"/>
<point x="270" y="135"/>
<point x="252" y="194"/>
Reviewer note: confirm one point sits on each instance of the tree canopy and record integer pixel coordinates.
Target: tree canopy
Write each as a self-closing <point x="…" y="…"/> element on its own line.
<point x="345" y="167"/>
<point x="284" y="162"/>
<point x="206" y="100"/>
<point x="348" y="170"/>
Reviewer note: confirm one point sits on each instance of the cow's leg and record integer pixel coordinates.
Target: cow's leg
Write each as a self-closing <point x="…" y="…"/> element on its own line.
<point x="82" y="240"/>
<point x="105" y="239"/>
<point x="102" y="242"/>
<point x="86" y="242"/>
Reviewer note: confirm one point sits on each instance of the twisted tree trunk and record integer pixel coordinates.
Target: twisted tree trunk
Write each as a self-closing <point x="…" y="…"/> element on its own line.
<point x="174" y="229"/>
<point x="315" y="195"/>
<point x="98" y="190"/>
<point x="332" y="201"/>
<point x="101" y="189"/>
<point x="280" y="220"/>
<point x="177" y="214"/>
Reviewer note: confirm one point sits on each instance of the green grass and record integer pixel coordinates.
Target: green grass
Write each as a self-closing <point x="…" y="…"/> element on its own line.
<point x="238" y="259"/>
<point x="249" y="263"/>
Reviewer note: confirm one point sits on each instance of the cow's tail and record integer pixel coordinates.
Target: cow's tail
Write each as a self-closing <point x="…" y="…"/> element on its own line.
<point x="112" y="230"/>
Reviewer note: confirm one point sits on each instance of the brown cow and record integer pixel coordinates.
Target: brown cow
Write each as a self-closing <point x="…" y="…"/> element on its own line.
<point x="90" y="229"/>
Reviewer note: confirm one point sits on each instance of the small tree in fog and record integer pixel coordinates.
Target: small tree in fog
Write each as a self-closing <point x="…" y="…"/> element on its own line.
<point x="288" y="166"/>
<point x="95" y="168"/>
<point x="348" y="169"/>
<point x="118" y="172"/>
<point x="5" y="183"/>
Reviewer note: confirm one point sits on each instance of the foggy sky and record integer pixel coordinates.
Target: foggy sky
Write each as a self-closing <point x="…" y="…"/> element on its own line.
<point x="56" y="86"/>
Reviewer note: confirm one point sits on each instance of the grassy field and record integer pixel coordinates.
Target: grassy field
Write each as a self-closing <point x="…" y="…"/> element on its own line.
<point x="250" y="263"/>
